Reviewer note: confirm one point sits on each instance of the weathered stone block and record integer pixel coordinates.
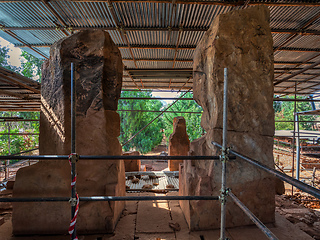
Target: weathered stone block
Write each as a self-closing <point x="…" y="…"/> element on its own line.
<point x="179" y="144"/>
<point x="240" y="41"/>
<point x="132" y="165"/>
<point x="98" y="75"/>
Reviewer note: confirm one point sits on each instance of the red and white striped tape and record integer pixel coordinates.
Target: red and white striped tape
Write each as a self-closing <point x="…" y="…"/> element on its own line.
<point x="74" y="219"/>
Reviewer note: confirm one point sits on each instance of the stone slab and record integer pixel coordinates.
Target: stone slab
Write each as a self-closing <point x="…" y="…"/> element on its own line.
<point x="157" y="236"/>
<point x="153" y="216"/>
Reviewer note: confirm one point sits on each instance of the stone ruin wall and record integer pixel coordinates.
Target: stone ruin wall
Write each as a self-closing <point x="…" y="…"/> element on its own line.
<point x="242" y="42"/>
<point x="98" y="75"/>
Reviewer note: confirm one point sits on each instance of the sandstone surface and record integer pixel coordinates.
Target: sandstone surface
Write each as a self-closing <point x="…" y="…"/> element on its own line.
<point x="179" y="144"/>
<point x="132" y="165"/>
<point x="241" y="41"/>
<point x="98" y="76"/>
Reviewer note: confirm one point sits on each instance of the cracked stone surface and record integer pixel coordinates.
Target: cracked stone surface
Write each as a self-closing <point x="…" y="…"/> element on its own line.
<point x="98" y="76"/>
<point x="241" y="41"/>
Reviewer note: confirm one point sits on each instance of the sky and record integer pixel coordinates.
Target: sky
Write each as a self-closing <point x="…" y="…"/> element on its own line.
<point x="14" y="52"/>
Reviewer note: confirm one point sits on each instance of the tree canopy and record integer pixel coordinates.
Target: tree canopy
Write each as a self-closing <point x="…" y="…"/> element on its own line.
<point x="133" y="121"/>
<point x="194" y="129"/>
<point x="284" y="111"/>
<point x="30" y="67"/>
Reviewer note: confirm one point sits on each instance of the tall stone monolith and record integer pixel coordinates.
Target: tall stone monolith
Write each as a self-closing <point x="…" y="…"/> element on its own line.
<point x="98" y="76"/>
<point x="179" y="143"/>
<point x="242" y="42"/>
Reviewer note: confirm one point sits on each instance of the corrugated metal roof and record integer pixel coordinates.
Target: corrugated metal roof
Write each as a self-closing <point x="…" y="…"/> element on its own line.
<point x="141" y="14"/>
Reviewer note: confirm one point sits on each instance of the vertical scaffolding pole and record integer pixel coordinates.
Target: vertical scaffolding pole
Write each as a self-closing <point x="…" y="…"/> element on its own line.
<point x="224" y="157"/>
<point x="297" y="147"/>
<point x="294" y="133"/>
<point x="73" y="145"/>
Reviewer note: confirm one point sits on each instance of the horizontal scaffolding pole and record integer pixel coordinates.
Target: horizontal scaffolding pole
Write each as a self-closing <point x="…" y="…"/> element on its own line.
<point x="19" y="134"/>
<point x="153" y="98"/>
<point x="253" y="218"/>
<point x="19" y="120"/>
<point x="298" y="184"/>
<point x="122" y="110"/>
<point x="86" y="157"/>
<point x="109" y="198"/>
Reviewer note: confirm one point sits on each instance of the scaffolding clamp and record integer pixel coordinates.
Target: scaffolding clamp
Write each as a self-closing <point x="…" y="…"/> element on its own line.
<point x="73" y="158"/>
<point x="224" y="156"/>
<point x="224" y="193"/>
<point x="73" y="202"/>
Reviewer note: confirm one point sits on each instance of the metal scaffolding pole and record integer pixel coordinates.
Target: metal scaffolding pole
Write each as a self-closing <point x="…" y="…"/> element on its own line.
<point x="297" y="147"/>
<point x="73" y="148"/>
<point x="224" y="158"/>
<point x="108" y="157"/>
<point x="254" y="219"/>
<point x="110" y="198"/>
<point x="294" y="133"/>
<point x="298" y="184"/>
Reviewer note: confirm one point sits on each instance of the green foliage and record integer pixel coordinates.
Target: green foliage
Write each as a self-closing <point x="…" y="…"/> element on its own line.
<point x="4" y="59"/>
<point x="194" y="129"/>
<point x="19" y="143"/>
<point x="32" y="66"/>
<point x="132" y="122"/>
<point x="284" y="111"/>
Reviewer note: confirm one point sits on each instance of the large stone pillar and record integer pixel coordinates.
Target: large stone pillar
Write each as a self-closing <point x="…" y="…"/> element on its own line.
<point x="98" y="76"/>
<point x="179" y="144"/>
<point x="240" y="41"/>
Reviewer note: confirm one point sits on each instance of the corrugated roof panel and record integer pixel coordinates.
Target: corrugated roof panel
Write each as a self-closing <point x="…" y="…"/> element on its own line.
<point x="125" y="53"/>
<point x="183" y="65"/>
<point x="27" y="13"/>
<point x="278" y="38"/>
<point x="48" y="36"/>
<point x="116" y="37"/>
<point x="150" y="64"/>
<point x="185" y="54"/>
<point x="198" y="16"/>
<point x="189" y="38"/>
<point x="291" y="17"/>
<point x="293" y="56"/>
<point x="153" y="53"/>
<point x="308" y="41"/>
<point x="143" y="14"/>
<point x="152" y="37"/>
<point x="85" y="14"/>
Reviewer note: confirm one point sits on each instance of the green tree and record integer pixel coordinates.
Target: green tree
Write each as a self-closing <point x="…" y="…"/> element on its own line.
<point x="4" y="57"/>
<point x="19" y="143"/>
<point x="194" y="129"/>
<point x="133" y="121"/>
<point x="284" y="111"/>
<point x="31" y="67"/>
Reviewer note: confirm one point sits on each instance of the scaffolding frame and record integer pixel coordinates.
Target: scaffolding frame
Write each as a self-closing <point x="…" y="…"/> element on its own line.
<point x="224" y="157"/>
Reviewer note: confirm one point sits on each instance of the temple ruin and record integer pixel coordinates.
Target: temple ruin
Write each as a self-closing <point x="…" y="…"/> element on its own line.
<point x="248" y="56"/>
<point x="98" y="74"/>
<point x="127" y="177"/>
